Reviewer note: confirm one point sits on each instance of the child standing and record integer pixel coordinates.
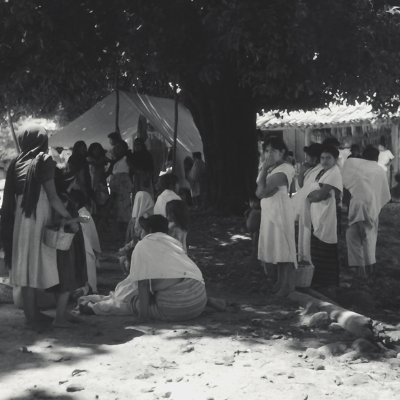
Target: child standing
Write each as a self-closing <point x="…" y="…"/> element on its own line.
<point x="253" y="220"/>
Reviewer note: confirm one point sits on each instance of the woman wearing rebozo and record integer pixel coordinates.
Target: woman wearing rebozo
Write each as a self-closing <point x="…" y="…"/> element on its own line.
<point x="29" y="198"/>
<point x="322" y="213"/>
<point x="277" y="239"/>
<point x="164" y="284"/>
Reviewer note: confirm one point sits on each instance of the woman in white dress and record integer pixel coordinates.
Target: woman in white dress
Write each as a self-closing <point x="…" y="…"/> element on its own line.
<point x="277" y="240"/>
<point x="308" y="172"/>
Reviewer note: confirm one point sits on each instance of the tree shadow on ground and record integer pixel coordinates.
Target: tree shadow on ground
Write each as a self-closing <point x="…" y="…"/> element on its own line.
<point x="39" y="394"/>
<point x="22" y="348"/>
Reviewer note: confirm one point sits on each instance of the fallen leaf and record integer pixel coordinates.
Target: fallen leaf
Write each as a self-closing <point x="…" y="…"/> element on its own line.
<point x="78" y="372"/>
<point x="75" y="388"/>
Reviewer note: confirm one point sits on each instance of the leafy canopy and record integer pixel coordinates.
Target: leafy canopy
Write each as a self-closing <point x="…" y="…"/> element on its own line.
<point x="283" y="53"/>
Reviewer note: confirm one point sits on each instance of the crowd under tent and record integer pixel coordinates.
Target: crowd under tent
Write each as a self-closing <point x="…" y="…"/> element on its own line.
<point x="95" y="124"/>
<point x="350" y="124"/>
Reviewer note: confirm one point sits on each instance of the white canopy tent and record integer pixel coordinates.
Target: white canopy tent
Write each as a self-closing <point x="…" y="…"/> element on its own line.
<point x="95" y="124"/>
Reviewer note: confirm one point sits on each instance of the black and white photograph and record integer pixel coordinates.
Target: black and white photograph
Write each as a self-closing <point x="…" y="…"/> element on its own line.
<point x="199" y="199"/>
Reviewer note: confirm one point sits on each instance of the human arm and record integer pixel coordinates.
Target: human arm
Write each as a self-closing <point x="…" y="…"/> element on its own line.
<point x="321" y="194"/>
<point x="268" y="187"/>
<point x="55" y="202"/>
<point x="302" y="172"/>
<point x="144" y="299"/>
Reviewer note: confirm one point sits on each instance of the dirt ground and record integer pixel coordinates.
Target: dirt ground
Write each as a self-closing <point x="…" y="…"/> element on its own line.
<point x="260" y="348"/>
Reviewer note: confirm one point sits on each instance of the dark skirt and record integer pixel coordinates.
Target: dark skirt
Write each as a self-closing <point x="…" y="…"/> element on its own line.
<point x="324" y="257"/>
<point x="71" y="266"/>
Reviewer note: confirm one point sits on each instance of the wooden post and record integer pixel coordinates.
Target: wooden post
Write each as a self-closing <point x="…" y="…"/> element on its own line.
<point x="175" y="128"/>
<point x="13" y="131"/>
<point x="117" y="110"/>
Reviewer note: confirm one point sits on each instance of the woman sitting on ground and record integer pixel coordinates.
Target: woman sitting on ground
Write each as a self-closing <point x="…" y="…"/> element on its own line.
<point x="164" y="283"/>
<point x="168" y="189"/>
<point x="143" y="207"/>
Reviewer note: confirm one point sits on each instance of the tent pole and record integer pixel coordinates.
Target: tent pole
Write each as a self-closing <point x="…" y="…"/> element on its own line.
<point x="175" y="128"/>
<point x="10" y="123"/>
<point x="117" y="102"/>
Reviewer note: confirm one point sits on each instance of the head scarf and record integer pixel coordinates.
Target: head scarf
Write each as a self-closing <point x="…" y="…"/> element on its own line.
<point x="142" y="206"/>
<point x="33" y="142"/>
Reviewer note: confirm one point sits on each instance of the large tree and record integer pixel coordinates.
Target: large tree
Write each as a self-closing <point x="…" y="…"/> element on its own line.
<point x="230" y="57"/>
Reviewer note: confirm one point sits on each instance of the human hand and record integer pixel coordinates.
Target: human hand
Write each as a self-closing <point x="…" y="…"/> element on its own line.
<point x="72" y="226"/>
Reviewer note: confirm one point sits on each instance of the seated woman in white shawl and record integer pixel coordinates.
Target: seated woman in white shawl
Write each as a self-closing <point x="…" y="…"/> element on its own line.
<point x="369" y="189"/>
<point x="164" y="283"/>
<point x="322" y="215"/>
<point x="143" y="206"/>
<point x="168" y="188"/>
<point x="276" y="243"/>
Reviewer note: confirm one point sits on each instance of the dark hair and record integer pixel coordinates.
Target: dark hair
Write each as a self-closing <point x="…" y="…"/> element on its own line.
<point x="96" y="146"/>
<point x="332" y="150"/>
<point x="154" y="223"/>
<point x="277" y="144"/>
<point x="313" y="150"/>
<point x="177" y="212"/>
<point x="115" y="136"/>
<point x="122" y="145"/>
<point x="167" y="181"/>
<point x="370" y="153"/>
<point x="77" y="145"/>
<point x="355" y="148"/>
<point x="331" y="141"/>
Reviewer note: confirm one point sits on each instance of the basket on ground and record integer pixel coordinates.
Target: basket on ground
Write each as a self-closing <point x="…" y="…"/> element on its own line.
<point x="304" y="274"/>
<point x="57" y="238"/>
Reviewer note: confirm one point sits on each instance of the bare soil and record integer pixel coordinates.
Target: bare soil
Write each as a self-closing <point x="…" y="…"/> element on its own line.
<point x="258" y="349"/>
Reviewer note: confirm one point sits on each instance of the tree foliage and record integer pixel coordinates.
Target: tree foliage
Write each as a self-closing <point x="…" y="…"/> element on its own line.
<point x="230" y="57"/>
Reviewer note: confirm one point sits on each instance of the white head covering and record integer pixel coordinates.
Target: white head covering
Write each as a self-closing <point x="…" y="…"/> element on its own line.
<point x="142" y="206"/>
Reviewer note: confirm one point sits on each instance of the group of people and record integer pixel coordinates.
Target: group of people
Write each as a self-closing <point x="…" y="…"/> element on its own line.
<point x="161" y="281"/>
<point x="42" y="196"/>
<point x="316" y="211"/>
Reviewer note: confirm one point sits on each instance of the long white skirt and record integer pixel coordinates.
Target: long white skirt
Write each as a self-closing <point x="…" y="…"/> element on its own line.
<point x="33" y="263"/>
<point x="361" y="253"/>
<point x="277" y="239"/>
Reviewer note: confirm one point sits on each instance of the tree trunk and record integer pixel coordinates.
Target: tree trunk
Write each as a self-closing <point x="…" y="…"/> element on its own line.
<point x="226" y="119"/>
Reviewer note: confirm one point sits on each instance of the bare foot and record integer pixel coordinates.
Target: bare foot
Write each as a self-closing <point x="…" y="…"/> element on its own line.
<point x="70" y="317"/>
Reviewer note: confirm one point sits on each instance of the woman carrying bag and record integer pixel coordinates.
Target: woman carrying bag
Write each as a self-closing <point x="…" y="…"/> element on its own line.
<point x="29" y="199"/>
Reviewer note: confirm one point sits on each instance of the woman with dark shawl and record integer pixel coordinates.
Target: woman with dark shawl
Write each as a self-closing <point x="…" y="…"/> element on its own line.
<point x="29" y="198"/>
<point x="78" y="167"/>
<point x="142" y="167"/>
